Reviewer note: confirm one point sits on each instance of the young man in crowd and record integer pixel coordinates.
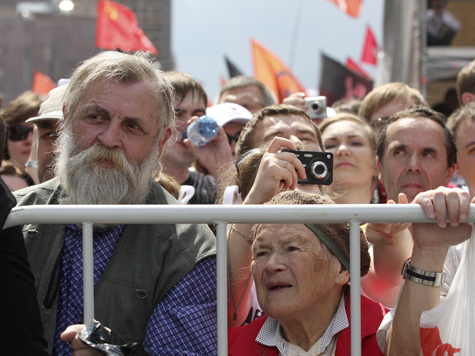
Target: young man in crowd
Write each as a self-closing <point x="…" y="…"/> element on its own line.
<point x="190" y="102"/>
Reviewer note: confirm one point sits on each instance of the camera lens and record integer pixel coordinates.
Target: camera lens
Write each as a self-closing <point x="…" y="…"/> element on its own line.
<point x="315" y="106"/>
<point x="319" y="169"/>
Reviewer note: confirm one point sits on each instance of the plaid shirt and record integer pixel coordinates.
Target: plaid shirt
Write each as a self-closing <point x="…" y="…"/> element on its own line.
<point x="183" y="323"/>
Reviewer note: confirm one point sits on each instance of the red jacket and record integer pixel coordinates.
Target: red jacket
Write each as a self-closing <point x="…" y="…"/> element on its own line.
<point x="242" y="340"/>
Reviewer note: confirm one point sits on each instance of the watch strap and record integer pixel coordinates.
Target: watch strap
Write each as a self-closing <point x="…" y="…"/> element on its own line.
<point x="417" y="275"/>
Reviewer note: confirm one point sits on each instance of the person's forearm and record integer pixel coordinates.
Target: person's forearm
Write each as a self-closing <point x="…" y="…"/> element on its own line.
<point x="239" y="274"/>
<point x="404" y="335"/>
<point x="384" y="280"/>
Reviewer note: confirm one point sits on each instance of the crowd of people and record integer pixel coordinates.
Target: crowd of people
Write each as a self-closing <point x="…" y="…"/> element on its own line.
<point x="114" y="135"/>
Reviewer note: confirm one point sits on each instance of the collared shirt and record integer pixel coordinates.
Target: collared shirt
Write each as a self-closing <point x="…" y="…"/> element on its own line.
<point x="271" y="335"/>
<point x="183" y="320"/>
<point x="452" y="262"/>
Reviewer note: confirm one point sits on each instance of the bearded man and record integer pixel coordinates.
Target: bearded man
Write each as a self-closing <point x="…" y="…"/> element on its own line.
<point x="154" y="284"/>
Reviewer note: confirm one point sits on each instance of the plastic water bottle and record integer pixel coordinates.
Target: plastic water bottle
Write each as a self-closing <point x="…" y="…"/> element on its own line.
<point x="201" y="131"/>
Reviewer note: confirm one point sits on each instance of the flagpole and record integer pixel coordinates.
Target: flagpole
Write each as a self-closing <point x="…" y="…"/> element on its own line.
<point x="295" y="35"/>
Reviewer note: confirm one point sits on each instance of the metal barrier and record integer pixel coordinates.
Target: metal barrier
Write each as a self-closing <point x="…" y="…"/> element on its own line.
<point x="221" y="215"/>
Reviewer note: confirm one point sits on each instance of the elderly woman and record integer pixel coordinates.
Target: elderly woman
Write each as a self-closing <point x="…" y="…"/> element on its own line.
<point x="260" y="175"/>
<point x="301" y="273"/>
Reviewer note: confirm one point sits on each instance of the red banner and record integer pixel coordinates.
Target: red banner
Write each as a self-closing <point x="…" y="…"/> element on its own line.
<point x="117" y="28"/>
<point x="42" y="84"/>
<point x="274" y="73"/>
<point x="352" y="65"/>
<point x="370" y="48"/>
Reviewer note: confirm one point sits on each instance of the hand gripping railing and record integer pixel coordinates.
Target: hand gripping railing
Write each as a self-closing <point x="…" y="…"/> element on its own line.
<point x="221" y="215"/>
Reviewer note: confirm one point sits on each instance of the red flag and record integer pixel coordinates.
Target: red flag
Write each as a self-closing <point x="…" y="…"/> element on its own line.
<point x="370" y="48"/>
<point x="117" y="27"/>
<point x="42" y="84"/>
<point x="351" y="7"/>
<point x="274" y="73"/>
<point x="352" y="65"/>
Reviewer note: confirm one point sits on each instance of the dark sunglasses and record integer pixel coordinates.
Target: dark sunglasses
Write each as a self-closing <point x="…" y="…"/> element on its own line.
<point x="233" y="138"/>
<point x="19" y="132"/>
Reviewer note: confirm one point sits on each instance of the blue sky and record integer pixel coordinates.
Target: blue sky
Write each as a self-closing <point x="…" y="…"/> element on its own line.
<point x="203" y="31"/>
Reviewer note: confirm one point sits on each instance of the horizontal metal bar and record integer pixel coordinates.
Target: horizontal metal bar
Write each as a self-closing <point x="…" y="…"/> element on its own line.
<point x="161" y="214"/>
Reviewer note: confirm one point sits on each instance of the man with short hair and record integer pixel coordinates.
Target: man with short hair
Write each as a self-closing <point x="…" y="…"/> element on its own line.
<point x="416" y="153"/>
<point x="47" y="122"/>
<point x="247" y="92"/>
<point x="190" y="103"/>
<point x="155" y="285"/>
<point x="282" y="120"/>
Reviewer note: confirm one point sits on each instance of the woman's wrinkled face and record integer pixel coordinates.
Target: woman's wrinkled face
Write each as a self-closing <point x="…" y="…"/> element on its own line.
<point x="293" y="271"/>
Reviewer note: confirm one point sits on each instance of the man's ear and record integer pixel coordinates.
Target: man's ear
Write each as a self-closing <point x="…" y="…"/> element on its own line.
<point x="467" y="97"/>
<point x="167" y="133"/>
<point x="449" y="174"/>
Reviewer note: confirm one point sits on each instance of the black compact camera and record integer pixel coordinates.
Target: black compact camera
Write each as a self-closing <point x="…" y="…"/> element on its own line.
<point x="318" y="166"/>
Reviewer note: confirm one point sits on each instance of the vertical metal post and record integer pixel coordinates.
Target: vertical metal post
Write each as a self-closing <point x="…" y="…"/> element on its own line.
<point x="222" y="283"/>
<point x="423" y="52"/>
<point x="88" y="274"/>
<point x="355" y="259"/>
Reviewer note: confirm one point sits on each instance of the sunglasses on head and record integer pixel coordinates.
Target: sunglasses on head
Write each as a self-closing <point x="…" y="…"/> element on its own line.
<point x="233" y="138"/>
<point x="19" y="132"/>
<point x="379" y="123"/>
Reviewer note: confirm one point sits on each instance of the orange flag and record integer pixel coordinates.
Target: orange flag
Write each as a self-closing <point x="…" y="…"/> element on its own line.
<point x="370" y="48"/>
<point x="274" y="73"/>
<point x="351" y="7"/>
<point x="42" y="84"/>
<point x="117" y="27"/>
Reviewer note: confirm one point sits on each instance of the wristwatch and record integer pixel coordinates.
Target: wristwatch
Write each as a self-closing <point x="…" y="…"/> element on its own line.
<point x="417" y="275"/>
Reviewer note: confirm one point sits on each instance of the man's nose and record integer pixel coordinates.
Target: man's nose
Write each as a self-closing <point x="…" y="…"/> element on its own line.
<point x="295" y="140"/>
<point x="110" y="135"/>
<point x="413" y="164"/>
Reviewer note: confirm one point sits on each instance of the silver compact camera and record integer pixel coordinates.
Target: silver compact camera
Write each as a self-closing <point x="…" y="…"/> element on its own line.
<point x="318" y="166"/>
<point x="316" y="106"/>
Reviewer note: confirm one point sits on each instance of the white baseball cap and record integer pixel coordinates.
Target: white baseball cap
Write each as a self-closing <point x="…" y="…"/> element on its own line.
<point x="229" y="112"/>
<point x="52" y="107"/>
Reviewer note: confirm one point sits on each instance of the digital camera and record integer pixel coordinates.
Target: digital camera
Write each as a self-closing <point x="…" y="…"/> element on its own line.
<point x="316" y="106"/>
<point x="318" y="166"/>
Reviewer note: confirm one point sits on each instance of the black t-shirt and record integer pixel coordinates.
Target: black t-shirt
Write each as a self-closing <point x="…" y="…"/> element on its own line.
<point x="206" y="188"/>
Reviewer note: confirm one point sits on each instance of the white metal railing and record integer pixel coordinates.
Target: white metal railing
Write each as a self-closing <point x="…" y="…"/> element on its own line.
<point x="221" y="215"/>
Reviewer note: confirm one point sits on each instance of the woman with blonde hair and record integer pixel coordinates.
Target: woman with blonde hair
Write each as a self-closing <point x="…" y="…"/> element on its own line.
<point x="353" y="144"/>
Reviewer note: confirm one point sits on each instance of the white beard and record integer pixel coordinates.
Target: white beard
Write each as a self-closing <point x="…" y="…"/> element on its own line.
<point x="86" y="181"/>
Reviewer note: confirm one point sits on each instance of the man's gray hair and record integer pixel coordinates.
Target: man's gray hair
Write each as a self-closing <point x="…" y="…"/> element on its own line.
<point x="126" y="68"/>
